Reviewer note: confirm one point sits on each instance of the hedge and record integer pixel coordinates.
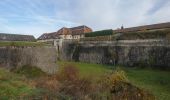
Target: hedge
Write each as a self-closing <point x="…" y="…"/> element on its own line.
<point x="99" y="33"/>
<point x="99" y="38"/>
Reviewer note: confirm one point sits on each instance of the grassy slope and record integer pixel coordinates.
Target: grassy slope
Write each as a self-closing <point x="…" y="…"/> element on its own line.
<point x="155" y="81"/>
<point x="21" y="43"/>
<point x="13" y="86"/>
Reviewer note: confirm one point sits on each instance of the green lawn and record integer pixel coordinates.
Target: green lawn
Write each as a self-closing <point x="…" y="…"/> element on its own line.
<point x="13" y="86"/>
<point x="155" y="81"/>
<point x="88" y="70"/>
<point x="22" y="43"/>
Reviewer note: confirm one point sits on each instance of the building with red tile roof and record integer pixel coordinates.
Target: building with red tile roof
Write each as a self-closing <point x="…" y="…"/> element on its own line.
<point x="67" y="33"/>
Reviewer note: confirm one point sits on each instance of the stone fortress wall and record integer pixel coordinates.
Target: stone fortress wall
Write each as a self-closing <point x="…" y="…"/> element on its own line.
<point x="43" y="57"/>
<point x="150" y="52"/>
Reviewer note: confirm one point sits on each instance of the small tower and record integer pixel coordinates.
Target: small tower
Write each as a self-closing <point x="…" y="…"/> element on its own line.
<point x="122" y="27"/>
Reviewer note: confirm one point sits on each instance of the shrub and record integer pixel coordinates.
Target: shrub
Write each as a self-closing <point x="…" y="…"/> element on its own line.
<point x="65" y="85"/>
<point x="116" y="77"/>
<point x="72" y="85"/>
<point x="48" y="82"/>
<point x="117" y="87"/>
<point x="78" y="89"/>
<point x="98" y="38"/>
<point x="68" y="73"/>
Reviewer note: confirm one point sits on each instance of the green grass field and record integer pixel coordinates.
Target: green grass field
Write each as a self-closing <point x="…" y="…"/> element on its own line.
<point x="88" y="70"/>
<point x="155" y="81"/>
<point x="21" y="43"/>
<point x="13" y="86"/>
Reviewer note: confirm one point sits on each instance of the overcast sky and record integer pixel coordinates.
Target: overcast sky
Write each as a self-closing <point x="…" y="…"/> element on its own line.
<point x="36" y="17"/>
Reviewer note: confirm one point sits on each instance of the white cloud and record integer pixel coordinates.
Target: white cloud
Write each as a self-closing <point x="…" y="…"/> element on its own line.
<point x="101" y="14"/>
<point x="161" y="15"/>
<point x="38" y="16"/>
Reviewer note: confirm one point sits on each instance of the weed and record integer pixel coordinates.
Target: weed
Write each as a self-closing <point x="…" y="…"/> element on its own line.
<point x="30" y="71"/>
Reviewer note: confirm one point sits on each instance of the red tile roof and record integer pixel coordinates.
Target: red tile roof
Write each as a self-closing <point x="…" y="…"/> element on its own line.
<point x="65" y="31"/>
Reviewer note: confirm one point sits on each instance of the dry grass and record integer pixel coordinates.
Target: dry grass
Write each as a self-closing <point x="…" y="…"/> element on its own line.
<point x="68" y="84"/>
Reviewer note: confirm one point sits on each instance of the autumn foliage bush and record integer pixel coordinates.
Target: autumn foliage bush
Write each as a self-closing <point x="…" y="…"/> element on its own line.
<point x="118" y="87"/>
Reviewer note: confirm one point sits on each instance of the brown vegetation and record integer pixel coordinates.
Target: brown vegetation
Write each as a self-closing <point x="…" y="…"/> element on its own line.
<point x="68" y="84"/>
